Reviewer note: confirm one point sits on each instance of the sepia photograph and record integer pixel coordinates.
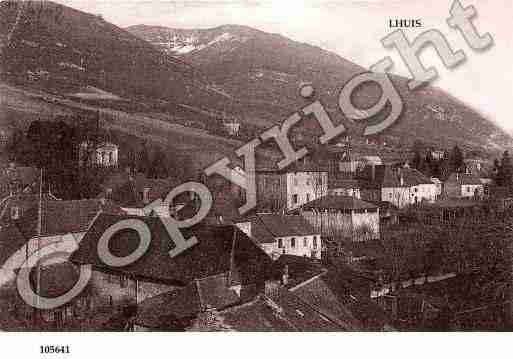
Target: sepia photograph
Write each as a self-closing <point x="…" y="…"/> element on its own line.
<point x="254" y="166"/>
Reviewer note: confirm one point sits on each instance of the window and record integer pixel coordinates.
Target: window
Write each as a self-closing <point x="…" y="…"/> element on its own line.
<point x="315" y="242"/>
<point x="308" y="197"/>
<point x="468" y="189"/>
<point x="295" y="181"/>
<point x="295" y="198"/>
<point x="293" y="242"/>
<point x="280" y="243"/>
<point x="305" y="242"/>
<point x="123" y="281"/>
<point x="15" y="212"/>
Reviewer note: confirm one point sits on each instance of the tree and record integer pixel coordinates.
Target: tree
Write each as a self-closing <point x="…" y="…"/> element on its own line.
<point x="456" y="159"/>
<point x="158" y="165"/>
<point x="416" y="161"/>
<point x="143" y="159"/>
<point x="505" y="173"/>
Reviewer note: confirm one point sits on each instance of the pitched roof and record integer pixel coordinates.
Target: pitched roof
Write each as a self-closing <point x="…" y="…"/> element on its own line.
<point x="342" y="182"/>
<point x="60" y="217"/>
<point x="338" y="203"/>
<point x="127" y="190"/>
<point x="283" y="312"/>
<point x="386" y="176"/>
<point x="283" y="225"/>
<point x="328" y="294"/>
<point x="463" y="179"/>
<point x="186" y="302"/>
<point x="220" y="249"/>
<point x="300" y="269"/>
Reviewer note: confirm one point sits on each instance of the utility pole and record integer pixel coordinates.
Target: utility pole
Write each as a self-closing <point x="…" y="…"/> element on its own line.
<point x="38" y="239"/>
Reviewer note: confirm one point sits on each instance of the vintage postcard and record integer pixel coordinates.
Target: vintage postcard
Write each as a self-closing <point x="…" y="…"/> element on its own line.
<point x="255" y="166"/>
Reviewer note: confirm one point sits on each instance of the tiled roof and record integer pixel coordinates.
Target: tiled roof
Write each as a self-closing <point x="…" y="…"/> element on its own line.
<point x="60" y="217"/>
<point x="342" y="182"/>
<point x="463" y="179"/>
<point x="220" y="249"/>
<point x="260" y="234"/>
<point x="282" y="225"/>
<point x="300" y="269"/>
<point x="283" y="312"/>
<point x="386" y="176"/>
<point x="333" y="298"/>
<point x="127" y="190"/>
<point x="320" y="296"/>
<point x="186" y="302"/>
<point x="338" y="203"/>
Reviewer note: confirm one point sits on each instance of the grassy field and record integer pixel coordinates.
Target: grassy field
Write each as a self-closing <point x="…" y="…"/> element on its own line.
<point x="20" y="106"/>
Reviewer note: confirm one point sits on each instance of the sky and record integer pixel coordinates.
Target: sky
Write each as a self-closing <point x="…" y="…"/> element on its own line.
<point x="353" y="29"/>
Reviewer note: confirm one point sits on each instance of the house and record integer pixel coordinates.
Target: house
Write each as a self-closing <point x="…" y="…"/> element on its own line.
<point x="18" y="179"/>
<point x="333" y="295"/>
<point x="220" y="251"/>
<point x="343" y="217"/>
<point x="103" y="154"/>
<point x="343" y="187"/>
<point x="176" y="310"/>
<point x="400" y="186"/>
<point x="439" y="187"/>
<point x="282" y="311"/>
<point x="138" y="195"/>
<point x="280" y="234"/>
<point x="290" y="188"/>
<point x="63" y="224"/>
<point x="463" y="185"/>
<point x="56" y="280"/>
<point x="232" y="126"/>
<point x="14" y="206"/>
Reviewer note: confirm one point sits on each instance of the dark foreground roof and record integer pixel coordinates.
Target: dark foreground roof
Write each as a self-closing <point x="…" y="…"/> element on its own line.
<point x="220" y="249"/>
<point x="60" y="217"/>
<point x="283" y="312"/>
<point x="164" y="310"/>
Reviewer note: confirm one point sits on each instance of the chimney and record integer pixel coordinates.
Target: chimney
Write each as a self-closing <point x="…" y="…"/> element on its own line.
<point x="373" y="172"/>
<point x="285" y="275"/>
<point x="146" y="195"/>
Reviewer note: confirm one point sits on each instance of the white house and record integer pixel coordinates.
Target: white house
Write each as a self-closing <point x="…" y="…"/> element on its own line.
<point x="105" y="154"/>
<point x="288" y="190"/>
<point x="463" y="185"/>
<point x="401" y="186"/>
<point x="281" y="234"/>
<point x="343" y="217"/>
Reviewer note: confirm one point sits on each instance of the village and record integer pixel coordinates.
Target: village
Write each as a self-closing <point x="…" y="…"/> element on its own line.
<point x="339" y="241"/>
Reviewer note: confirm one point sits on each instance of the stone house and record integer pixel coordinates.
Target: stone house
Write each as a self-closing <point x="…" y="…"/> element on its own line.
<point x="402" y="186"/>
<point x="220" y="251"/>
<point x="289" y="189"/>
